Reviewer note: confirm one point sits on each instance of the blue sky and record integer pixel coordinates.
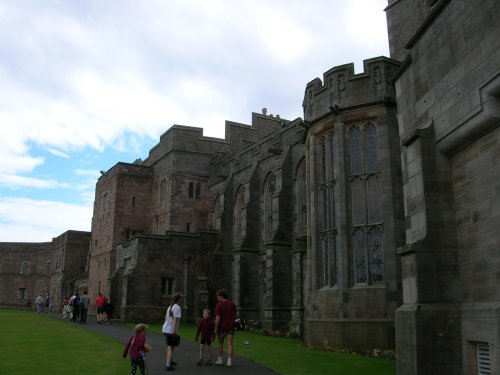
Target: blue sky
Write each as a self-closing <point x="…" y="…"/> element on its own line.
<point x="87" y="84"/>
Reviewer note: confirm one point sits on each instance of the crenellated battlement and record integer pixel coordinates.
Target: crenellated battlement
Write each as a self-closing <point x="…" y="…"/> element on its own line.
<point x="342" y="88"/>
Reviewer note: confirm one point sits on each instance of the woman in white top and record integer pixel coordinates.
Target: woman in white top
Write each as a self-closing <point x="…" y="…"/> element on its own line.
<point x="170" y="327"/>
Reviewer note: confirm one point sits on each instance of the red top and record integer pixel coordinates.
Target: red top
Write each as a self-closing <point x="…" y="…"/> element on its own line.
<point x="100" y="300"/>
<point x="227" y="312"/>
<point x="136" y="347"/>
<point x="207" y="329"/>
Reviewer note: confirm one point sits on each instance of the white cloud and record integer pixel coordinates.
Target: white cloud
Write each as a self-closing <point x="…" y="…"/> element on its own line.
<point x="97" y="76"/>
<point x="59" y="153"/>
<point x="27" y="220"/>
<point x="15" y="181"/>
<point x="87" y="173"/>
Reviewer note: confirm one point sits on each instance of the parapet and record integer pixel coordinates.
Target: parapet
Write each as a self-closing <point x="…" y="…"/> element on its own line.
<point x="342" y="89"/>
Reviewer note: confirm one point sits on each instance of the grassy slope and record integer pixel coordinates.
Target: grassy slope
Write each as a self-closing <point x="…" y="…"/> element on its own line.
<point x="36" y="345"/>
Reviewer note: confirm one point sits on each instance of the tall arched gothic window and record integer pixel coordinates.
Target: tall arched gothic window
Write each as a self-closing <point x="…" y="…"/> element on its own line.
<point x="269" y="188"/>
<point x="366" y="250"/>
<point x="217" y="213"/>
<point x="239" y="214"/>
<point x="301" y="199"/>
<point x="328" y="256"/>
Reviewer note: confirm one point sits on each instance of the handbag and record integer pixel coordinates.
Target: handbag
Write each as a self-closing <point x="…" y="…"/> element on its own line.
<point x="173" y="340"/>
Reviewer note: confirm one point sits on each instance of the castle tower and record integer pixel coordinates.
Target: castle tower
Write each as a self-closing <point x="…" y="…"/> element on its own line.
<point x="355" y="213"/>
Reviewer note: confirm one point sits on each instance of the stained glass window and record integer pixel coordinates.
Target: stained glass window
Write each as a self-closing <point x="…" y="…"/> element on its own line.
<point x="360" y="256"/>
<point x="328" y="257"/>
<point x="356" y="151"/>
<point x="371" y="148"/>
<point x="333" y="151"/>
<point x="367" y="256"/>
<point x="239" y="207"/>
<point x="323" y="160"/>
<point x="358" y="201"/>
<point x="376" y="254"/>
<point x="301" y="198"/>
<point x="326" y="260"/>
<point x="374" y="214"/>
<point x="269" y="188"/>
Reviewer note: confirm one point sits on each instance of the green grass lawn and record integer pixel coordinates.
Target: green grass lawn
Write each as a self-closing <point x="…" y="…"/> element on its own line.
<point x="34" y="344"/>
<point x="290" y="357"/>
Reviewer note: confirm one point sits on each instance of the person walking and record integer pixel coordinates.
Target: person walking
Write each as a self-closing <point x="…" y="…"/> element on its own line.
<point x="84" y="307"/>
<point x="65" y="307"/>
<point x="75" y="307"/>
<point x="100" y="301"/>
<point x="206" y="329"/>
<point x="225" y="314"/>
<point x="170" y="327"/>
<point x="39" y="303"/>
<point x="109" y="310"/>
<point x="48" y="303"/>
<point x="136" y="348"/>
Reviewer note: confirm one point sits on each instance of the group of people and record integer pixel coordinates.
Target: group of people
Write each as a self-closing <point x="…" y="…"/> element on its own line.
<point x="77" y="307"/>
<point x="40" y="302"/>
<point x="222" y="328"/>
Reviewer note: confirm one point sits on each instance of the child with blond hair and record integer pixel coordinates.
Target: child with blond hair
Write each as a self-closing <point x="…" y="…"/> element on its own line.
<point x="136" y="348"/>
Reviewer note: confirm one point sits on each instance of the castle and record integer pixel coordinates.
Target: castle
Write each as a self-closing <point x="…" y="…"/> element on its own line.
<point x="370" y="222"/>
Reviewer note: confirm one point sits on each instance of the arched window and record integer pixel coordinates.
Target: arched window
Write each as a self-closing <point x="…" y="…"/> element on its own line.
<point x="217" y="213"/>
<point x="328" y="255"/>
<point x="269" y="188"/>
<point x="366" y="253"/>
<point x="301" y="199"/>
<point x="198" y="190"/>
<point x="239" y="214"/>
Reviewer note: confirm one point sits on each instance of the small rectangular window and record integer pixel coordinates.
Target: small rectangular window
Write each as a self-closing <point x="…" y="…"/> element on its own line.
<point x="167" y="286"/>
<point x="133" y="201"/>
<point x="198" y="190"/>
<point x="188" y="227"/>
<point x="22" y="293"/>
<point x="25" y="268"/>
<point x="191" y="190"/>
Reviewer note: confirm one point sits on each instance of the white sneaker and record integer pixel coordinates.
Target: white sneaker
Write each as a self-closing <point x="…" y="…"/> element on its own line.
<point x="219" y="361"/>
<point x="229" y="362"/>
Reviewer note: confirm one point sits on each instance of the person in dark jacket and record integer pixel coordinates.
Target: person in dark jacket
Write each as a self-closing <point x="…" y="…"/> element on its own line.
<point x="206" y="329"/>
<point x="109" y="309"/>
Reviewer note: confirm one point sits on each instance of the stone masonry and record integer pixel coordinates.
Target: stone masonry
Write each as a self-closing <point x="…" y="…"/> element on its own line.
<point x="370" y="223"/>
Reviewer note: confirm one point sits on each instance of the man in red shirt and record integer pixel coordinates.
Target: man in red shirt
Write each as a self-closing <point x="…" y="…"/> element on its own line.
<point x="225" y="314"/>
